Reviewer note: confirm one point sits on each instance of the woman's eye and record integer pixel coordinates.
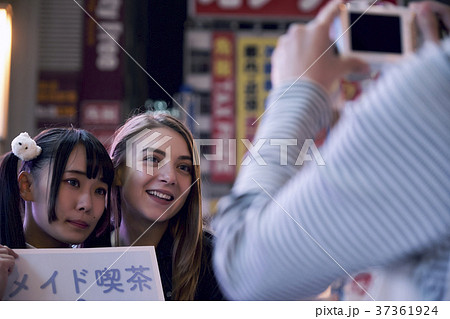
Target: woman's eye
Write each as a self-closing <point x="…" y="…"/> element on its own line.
<point x="186" y="168"/>
<point x="73" y="182"/>
<point x="151" y="159"/>
<point x="101" y="191"/>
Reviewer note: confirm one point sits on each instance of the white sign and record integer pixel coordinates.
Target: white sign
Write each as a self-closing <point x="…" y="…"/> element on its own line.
<point x="120" y="273"/>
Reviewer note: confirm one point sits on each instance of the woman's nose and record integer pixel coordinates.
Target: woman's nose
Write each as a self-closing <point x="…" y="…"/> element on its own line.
<point x="166" y="174"/>
<point x="84" y="202"/>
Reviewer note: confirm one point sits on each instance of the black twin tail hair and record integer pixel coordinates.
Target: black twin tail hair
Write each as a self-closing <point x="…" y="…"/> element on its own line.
<point x="11" y="205"/>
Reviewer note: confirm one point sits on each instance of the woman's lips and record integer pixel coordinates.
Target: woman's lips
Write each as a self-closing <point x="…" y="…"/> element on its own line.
<point x="79" y="224"/>
<point x="161" y="197"/>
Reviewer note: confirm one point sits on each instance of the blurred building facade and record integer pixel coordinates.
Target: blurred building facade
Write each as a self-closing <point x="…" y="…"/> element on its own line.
<point x="93" y="63"/>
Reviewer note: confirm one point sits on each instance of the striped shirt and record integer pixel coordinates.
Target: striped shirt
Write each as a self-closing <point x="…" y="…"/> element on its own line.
<point x="285" y="232"/>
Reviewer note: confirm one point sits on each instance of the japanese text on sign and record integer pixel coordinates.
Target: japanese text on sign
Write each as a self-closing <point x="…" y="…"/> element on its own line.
<point x="85" y="274"/>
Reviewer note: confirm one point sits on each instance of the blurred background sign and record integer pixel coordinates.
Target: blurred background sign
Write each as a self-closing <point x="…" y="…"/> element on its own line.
<point x="257" y="8"/>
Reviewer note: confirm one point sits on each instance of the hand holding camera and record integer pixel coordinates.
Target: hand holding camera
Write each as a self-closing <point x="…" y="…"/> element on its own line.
<point x="384" y="33"/>
<point x="433" y="19"/>
<point x="305" y="51"/>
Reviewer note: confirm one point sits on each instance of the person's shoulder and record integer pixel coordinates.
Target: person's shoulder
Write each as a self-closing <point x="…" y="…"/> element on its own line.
<point x="208" y="237"/>
<point x="207" y="243"/>
<point x="102" y="240"/>
<point x="208" y="289"/>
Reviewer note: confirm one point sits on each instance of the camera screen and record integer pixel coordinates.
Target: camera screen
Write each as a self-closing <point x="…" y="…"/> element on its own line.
<point x="376" y="33"/>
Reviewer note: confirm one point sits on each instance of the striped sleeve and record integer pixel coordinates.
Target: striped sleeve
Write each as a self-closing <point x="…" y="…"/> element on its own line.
<point x="285" y="232"/>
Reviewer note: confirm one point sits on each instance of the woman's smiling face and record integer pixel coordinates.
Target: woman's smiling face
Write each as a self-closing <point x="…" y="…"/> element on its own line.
<point x="158" y="192"/>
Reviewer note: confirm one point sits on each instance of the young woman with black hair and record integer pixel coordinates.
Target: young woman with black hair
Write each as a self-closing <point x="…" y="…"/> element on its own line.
<point x="59" y="197"/>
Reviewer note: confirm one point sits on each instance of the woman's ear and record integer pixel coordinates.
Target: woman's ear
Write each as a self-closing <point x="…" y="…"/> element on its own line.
<point x="25" y="181"/>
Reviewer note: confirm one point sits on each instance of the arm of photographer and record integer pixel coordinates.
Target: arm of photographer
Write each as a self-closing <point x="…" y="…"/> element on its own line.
<point x="285" y="233"/>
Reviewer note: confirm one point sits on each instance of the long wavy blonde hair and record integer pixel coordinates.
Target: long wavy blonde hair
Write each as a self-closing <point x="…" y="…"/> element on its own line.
<point x="186" y="225"/>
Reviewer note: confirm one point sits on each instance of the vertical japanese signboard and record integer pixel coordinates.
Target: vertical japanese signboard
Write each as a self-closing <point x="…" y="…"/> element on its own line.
<point x="222" y="106"/>
<point x="102" y="85"/>
<point x="252" y="85"/>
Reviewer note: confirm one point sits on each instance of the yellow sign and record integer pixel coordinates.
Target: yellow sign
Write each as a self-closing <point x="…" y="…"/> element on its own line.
<point x="252" y="85"/>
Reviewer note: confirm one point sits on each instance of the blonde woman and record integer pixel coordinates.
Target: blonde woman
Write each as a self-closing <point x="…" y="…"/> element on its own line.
<point x="158" y="203"/>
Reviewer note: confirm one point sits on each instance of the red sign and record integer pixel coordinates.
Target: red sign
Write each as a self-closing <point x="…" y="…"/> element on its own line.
<point x="102" y="86"/>
<point x="101" y="118"/>
<point x="222" y="108"/>
<point x="100" y="113"/>
<point x="103" y="58"/>
<point x="257" y="8"/>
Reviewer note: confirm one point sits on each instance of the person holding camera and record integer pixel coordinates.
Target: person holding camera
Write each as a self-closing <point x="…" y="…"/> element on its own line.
<point x="285" y="232"/>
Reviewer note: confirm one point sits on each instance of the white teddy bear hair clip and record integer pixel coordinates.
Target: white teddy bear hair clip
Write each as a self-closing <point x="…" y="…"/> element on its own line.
<point x="25" y="148"/>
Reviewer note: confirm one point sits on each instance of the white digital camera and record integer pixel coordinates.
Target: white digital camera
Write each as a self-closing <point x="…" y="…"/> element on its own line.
<point x="377" y="34"/>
